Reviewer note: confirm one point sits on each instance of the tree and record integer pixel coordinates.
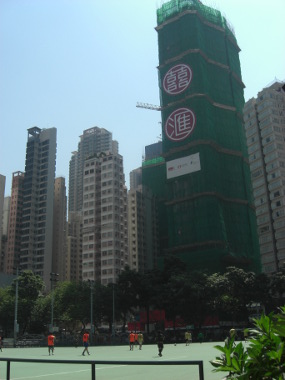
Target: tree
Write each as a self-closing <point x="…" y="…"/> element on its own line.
<point x="265" y="356"/>
<point x="7" y="307"/>
<point x="126" y="293"/>
<point x="232" y="292"/>
<point x="72" y="303"/>
<point x="29" y="288"/>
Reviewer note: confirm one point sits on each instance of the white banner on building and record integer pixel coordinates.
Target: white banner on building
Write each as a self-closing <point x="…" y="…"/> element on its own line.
<point x="184" y="165"/>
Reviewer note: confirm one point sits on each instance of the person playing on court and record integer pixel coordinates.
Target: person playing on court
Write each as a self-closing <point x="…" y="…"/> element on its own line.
<point x="132" y="340"/>
<point x="51" y="339"/>
<point x="188" y="337"/>
<point x="85" y="339"/>
<point x="232" y="333"/>
<point x="136" y="339"/>
<point x="1" y="342"/>
<point x="159" y="341"/>
<point x="140" y="339"/>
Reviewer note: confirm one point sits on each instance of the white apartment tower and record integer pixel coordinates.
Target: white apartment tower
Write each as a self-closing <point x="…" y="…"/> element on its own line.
<point x="93" y="140"/>
<point x="104" y="233"/>
<point x="264" y="119"/>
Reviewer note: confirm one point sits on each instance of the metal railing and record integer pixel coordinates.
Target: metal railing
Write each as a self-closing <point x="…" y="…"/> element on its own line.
<point x="94" y="362"/>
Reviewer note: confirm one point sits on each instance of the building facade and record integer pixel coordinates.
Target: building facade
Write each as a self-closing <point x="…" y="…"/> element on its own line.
<point x="38" y="197"/>
<point x="142" y="230"/>
<point x="202" y="181"/>
<point x="264" y="120"/>
<point x="2" y="192"/>
<point x="59" y="250"/>
<point x="93" y="140"/>
<point x="104" y="232"/>
<point x="12" y="259"/>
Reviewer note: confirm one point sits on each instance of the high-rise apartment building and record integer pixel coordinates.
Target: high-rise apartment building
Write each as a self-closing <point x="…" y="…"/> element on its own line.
<point x="59" y="250"/>
<point x="142" y="230"/>
<point x="264" y="120"/>
<point x="202" y="179"/>
<point x="93" y="140"/>
<point x="2" y="192"/>
<point x="12" y="256"/>
<point x="74" y="247"/>
<point x="104" y="233"/>
<point x="143" y="218"/>
<point x="3" y="252"/>
<point x="135" y="178"/>
<point x="93" y="186"/>
<point x="38" y="196"/>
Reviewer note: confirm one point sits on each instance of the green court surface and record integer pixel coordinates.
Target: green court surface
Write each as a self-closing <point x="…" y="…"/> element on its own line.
<point x="51" y="371"/>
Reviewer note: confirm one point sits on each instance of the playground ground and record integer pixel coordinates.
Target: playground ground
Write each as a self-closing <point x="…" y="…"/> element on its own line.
<point x="51" y="371"/>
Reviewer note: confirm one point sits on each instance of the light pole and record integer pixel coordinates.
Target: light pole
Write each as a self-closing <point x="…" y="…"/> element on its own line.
<point x="16" y="326"/>
<point x="91" y="282"/>
<point x="53" y="278"/>
<point x="113" y="329"/>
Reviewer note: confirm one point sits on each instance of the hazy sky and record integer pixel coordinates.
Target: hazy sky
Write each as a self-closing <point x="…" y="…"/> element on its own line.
<point x="76" y="64"/>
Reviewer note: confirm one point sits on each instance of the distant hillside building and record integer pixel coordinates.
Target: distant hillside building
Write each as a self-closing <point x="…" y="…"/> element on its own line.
<point x="264" y="118"/>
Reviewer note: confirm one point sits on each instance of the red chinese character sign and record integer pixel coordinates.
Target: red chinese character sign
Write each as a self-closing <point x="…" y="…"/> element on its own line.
<point x="180" y="124"/>
<point x="177" y="79"/>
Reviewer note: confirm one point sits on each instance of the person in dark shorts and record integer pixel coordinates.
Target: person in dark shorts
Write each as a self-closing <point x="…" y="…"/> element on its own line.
<point x="159" y="341"/>
<point x="85" y="339"/>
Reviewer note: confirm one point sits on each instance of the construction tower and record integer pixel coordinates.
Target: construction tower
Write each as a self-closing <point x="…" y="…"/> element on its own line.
<point x="202" y="180"/>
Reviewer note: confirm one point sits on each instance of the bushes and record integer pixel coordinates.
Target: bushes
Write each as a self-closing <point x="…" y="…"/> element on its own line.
<point x="264" y="358"/>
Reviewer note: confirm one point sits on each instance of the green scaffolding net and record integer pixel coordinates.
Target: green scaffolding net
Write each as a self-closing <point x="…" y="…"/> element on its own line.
<point x="206" y="216"/>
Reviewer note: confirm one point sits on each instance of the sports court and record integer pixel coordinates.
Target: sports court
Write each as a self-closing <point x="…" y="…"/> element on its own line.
<point x="50" y="371"/>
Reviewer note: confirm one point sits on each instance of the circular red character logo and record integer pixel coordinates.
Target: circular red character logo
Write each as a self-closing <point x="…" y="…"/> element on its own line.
<point x="180" y="124"/>
<point x="177" y="79"/>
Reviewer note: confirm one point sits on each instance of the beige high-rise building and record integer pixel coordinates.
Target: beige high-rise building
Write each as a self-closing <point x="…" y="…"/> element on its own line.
<point x="104" y="233"/>
<point x="12" y="259"/>
<point x="264" y="119"/>
<point x="2" y="192"/>
<point x="4" y="240"/>
<point x="142" y="229"/>
<point x="74" y="247"/>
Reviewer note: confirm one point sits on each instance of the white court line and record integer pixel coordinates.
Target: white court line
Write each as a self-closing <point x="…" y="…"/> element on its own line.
<point x="48" y="374"/>
<point x="65" y="373"/>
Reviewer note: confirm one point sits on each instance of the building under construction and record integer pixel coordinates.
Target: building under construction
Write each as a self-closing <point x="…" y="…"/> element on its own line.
<point x="202" y="180"/>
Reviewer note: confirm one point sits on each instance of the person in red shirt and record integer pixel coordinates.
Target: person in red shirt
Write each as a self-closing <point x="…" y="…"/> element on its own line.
<point x="132" y="340"/>
<point x="136" y="339"/>
<point x="85" y="339"/>
<point x="51" y="339"/>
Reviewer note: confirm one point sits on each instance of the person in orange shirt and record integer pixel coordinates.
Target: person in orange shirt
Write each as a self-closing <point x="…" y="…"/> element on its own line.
<point x="132" y="340"/>
<point x="85" y="339"/>
<point x="136" y="339"/>
<point x="51" y="339"/>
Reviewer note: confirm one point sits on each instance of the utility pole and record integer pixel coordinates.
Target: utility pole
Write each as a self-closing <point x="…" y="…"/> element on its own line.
<point x="53" y="278"/>
<point x="16" y="326"/>
<point x="91" y="309"/>
<point x="113" y="326"/>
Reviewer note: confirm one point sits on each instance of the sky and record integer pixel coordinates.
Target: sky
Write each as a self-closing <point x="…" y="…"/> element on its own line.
<point x="76" y="64"/>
